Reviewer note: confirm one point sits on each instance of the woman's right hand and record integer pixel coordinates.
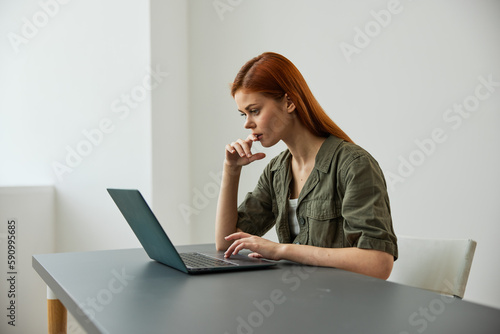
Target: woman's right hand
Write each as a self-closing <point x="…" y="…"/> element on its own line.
<point x="239" y="153"/>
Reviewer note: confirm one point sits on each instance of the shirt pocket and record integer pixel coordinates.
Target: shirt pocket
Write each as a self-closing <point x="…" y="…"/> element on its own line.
<point x="324" y="224"/>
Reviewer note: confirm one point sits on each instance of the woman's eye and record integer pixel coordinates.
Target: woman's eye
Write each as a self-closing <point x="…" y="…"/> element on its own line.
<point x="251" y="111"/>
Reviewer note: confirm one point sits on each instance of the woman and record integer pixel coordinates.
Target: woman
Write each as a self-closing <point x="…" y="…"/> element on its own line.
<point x="326" y="195"/>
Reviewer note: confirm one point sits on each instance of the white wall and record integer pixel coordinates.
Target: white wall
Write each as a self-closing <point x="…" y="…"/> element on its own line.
<point x="170" y="119"/>
<point x="394" y="92"/>
<point x="69" y="75"/>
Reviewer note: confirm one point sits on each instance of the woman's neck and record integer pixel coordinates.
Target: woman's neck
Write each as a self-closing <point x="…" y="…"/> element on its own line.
<point x="304" y="146"/>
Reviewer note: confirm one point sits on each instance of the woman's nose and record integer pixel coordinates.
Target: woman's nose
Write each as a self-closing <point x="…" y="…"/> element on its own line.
<point x="249" y="124"/>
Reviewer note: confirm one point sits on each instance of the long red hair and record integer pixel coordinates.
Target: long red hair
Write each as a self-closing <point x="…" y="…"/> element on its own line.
<point x="274" y="75"/>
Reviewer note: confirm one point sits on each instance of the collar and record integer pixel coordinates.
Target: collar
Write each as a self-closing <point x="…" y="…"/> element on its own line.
<point x="326" y="153"/>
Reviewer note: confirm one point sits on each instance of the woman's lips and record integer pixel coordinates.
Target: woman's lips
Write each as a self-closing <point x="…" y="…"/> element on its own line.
<point x="258" y="136"/>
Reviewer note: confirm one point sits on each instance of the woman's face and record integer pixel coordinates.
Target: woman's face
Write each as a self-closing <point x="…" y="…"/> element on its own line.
<point x="268" y="119"/>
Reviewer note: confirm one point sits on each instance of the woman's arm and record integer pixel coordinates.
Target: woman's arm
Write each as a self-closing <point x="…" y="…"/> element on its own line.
<point x="363" y="261"/>
<point x="238" y="154"/>
<point x="227" y="212"/>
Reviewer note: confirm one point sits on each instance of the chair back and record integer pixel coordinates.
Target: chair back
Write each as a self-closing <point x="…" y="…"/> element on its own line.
<point x="440" y="265"/>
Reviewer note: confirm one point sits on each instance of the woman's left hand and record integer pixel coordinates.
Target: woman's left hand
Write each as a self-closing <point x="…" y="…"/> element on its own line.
<point x="259" y="246"/>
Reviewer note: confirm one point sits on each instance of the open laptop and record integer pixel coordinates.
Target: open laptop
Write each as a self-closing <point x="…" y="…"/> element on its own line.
<point x="158" y="246"/>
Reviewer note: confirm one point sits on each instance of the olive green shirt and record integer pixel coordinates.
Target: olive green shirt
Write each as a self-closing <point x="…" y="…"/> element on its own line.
<point x="344" y="202"/>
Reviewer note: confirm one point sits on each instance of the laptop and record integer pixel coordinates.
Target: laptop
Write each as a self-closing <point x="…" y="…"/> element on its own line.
<point x="158" y="246"/>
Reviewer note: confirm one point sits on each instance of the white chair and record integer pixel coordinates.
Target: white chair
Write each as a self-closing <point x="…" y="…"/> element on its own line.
<point x="440" y="265"/>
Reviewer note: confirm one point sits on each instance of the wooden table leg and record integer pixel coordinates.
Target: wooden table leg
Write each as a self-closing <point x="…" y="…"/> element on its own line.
<point x="57" y="314"/>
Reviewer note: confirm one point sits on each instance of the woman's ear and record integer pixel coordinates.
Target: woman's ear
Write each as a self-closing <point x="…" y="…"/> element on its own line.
<point x="290" y="106"/>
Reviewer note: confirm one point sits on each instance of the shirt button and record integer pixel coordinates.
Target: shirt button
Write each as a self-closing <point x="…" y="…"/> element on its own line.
<point x="302" y="221"/>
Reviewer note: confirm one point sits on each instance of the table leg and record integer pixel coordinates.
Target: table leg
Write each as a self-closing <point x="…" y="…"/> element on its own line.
<point x="57" y="314"/>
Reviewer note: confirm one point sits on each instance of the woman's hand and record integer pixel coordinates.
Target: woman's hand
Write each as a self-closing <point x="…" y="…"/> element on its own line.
<point x="239" y="153"/>
<point x="259" y="246"/>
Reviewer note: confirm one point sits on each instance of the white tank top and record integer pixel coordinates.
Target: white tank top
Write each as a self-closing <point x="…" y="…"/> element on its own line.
<point x="292" y="218"/>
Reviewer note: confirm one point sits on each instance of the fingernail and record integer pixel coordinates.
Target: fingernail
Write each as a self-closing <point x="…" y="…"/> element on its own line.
<point x="249" y="155"/>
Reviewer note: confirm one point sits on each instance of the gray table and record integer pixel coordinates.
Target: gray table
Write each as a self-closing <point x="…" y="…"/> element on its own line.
<point x="123" y="291"/>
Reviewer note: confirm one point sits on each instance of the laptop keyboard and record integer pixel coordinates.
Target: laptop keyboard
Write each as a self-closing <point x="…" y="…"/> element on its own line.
<point x="198" y="260"/>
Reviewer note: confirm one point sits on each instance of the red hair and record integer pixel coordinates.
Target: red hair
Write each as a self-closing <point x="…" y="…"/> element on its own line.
<point x="274" y="76"/>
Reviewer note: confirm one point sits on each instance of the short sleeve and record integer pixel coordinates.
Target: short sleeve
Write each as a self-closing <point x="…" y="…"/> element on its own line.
<point x="365" y="206"/>
<point x="255" y="213"/>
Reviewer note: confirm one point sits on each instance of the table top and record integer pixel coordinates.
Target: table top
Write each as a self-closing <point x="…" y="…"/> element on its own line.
<point x="123" y="291"/>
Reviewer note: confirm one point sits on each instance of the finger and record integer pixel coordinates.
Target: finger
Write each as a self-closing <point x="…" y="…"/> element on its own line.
<point x="251" y="138"/>
<point x="236" y="247"/>
<point x="237" y="235"/>
<point x="237" y="147"/>
<point x="230" y="149"/>
<point x="257" y="156"/>
<point x="241" y="246"/>
<point x="230" y="249"/>
<point x="246" y="145"/>
<point x="255" y="255"/>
